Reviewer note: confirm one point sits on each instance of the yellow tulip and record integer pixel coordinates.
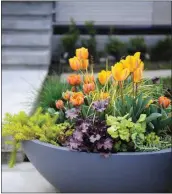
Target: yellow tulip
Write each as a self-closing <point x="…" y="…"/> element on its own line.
<point x="133" y="62"/>
<point x="75" y="63"/>
<point x="84" y="64"/>
<point x="137" y="75"/>
<point x="139" y="63"/>
<point x="103" y="76"/>
<point x="119" y="72"/>
<point x="82" y="53"/>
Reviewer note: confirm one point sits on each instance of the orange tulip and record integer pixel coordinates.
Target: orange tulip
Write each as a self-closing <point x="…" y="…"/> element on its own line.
<point x="137" y="75"/>
<point x="164" y="101"/>
<point x="82" y="53"/>
<point x="59" y="104"/>
<point x="119" y="72"/>
<point x="87" y="88"/>
<point x="133" y="62"/>
<point x="88" y="78"/>
<point x="75" y="63"/>
<point x="66" y="95"/>
<point x="77" y="99"/>
<point x="74" y="79"/>
<point x="103" y="76"/>
<point x="104" y="95"/>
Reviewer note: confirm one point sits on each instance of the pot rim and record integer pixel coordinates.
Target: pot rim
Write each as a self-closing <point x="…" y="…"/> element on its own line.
<point x="167" y="150"/>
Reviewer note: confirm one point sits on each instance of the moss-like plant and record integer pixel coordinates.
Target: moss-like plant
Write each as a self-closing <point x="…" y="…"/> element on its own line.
<point x="41" y="126"/>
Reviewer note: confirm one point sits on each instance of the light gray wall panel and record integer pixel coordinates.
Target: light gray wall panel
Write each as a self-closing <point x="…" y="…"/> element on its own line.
<point x="26" y="8"/>
<point x="24" y="39"/>
<point x="26" y="33"/>
<point x="162" y="12"/>
<point x="26" y="24"/>
<point x="105" y="12"/>
<point x="19" y="57"/>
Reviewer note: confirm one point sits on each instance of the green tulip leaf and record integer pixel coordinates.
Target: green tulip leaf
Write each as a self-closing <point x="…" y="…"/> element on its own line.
<point x="152" y="117"/>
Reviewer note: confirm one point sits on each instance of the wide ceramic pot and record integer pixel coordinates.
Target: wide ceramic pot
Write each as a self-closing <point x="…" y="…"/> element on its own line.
<point x="72" y="171"/>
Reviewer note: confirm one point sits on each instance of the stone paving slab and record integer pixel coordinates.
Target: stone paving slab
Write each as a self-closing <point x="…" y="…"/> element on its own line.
<point x="24" y="178"/>
<point x="146" y="74"/>
<point x="19" y="89"/>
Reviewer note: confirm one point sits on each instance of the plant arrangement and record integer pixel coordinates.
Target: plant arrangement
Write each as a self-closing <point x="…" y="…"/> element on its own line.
<point x="116" y="111"/>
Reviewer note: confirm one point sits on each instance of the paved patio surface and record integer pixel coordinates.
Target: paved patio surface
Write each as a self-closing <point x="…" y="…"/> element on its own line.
<point x="24" y="178"/>
<point x="146" y="74"/>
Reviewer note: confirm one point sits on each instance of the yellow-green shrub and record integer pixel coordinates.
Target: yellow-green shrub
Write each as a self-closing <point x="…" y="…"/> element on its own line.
<point x="40" y="126"/>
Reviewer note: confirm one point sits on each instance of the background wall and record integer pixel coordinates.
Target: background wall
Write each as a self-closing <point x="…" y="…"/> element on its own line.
<point x="26" y="33"/>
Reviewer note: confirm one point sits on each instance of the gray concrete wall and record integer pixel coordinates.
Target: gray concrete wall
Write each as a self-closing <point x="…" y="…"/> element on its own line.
<point x="117" y="12"/>
<point x="26" y="33"/>
<point x="161" y="13"/>
<point x="105" y="12"/>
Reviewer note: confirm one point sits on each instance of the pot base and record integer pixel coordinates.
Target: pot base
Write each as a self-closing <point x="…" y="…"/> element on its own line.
<point x="72" y="171"/>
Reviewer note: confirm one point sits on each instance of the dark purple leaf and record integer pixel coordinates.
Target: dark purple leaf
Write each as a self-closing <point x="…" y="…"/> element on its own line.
<point x="73" y="144"/>
<point x="84" y="126"/>
<point x="94" y="138"/>
<point x="107" y="144"/>
<point x="78" y="135"/>
<point x="72" y="113"/>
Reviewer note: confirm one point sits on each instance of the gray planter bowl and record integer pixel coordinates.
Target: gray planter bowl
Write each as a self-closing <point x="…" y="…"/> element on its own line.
<point x="72" y="171"/>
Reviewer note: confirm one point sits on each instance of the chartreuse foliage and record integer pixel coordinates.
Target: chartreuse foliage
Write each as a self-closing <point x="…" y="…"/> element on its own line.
<point x="40" y="126"/>
<point x="124" y="131"/>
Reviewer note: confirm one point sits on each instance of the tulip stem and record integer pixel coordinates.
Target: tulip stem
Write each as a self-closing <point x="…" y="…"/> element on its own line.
<point x="121" y="89"/>
<point x="133" y="85"/>
<point x="136" y="88"/>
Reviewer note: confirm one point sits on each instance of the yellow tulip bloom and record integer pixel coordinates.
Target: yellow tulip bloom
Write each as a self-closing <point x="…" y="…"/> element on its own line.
<point x="137" y="55"/>
<point x="119" y="72"/>
<point x="75" y="63"/>
<point x="139" y="63"/>
<point x="84" y="64"/>
<point x="133" y="62"/>
<point x="103" y="76"/>
<point x="82" y="53"/>
<point x="137" y="75"/>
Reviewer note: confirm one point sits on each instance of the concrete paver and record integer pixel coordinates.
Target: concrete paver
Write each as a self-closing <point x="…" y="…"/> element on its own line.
<point x="146" y="74"/>
<point x="24" y="178"/>
<point x="19" y="88"/>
